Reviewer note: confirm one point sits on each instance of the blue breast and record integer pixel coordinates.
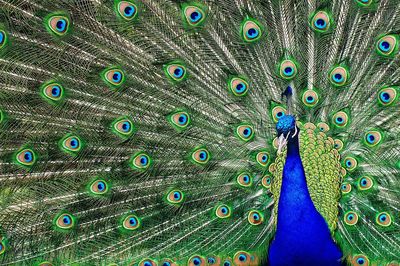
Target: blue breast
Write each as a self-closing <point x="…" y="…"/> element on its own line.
<point x="302" y="236"/>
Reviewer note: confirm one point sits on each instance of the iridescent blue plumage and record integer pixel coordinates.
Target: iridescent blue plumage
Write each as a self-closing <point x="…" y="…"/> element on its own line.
<point x="302" y="236"/>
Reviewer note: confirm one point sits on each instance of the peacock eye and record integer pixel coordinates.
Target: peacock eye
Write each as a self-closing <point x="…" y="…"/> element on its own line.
<point x="321" y="22"/>
<point x="360" y="260"/>
<point x="58" y="24"/>
<point x="351" y="218"/>
<point x="338" y="76"/>
<point x="255" y="217"/>
<point x="123" y="127"/>
<point x="277" y="113"/>
<point x="244" y="179"/>
<point x="364" y="3"/>
<point x="372" y="138"/>
<point x="266" y="181"/>
<point x="194" y="15"/>
<point x="45" y="263"/>
<point x="350" y="163"/>
<point x="383" y="219"/>
<point x="147" y="262"/>
<point x="345" y="188"/>
<point x="131" y="222"/>
<point x="175" y="71"/>
<point x="241" y="258"/>
<point x="53" y="91"/>
<point x="201" y="156"/>
<point x="71" y="144"/>
<point x="140" y="161"/>
<point x="386" y="96"/>
<point x="113" y="76"/>
<point x="3" y="38"/>
<point x="211" y="260"/>
<point x="340" y="119"/>
<point x="175" y="196"/>
<point x="26" y="157"/>
<point x="365" y="183"/>
<point x="262" y="158"/>
<point x="99" y="187"/>
<point x="180" y="120"/>
<point x="196" y="261"/>
<point x="238" y="86"/>
<point x="287" y="69"/>
<point x="251" y="30"/>
<point x="167" y="262"/>
<point x="323" y="127"/>
<point x="338" y="144"/>
<point x="223" y="211"/>
<point x="245" y="132"/>
<point x="310" y="98"/>
<point x="65" y="221"/>
<point x="387" y="45"/>
<point x="227" y="263"/>
<point x="127" y="10"/>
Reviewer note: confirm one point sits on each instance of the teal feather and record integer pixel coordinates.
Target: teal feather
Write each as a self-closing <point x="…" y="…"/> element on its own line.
<point x="120" y="96"/>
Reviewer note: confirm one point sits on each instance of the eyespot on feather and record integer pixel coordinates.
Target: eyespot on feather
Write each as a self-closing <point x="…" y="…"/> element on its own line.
<point x="339" y="76"/>
<point x="387" y="45"/>
<point x="123" y="127"/>
<point x="175" y="196"/>
<point x="288" y="69"/>
<point x="196" y="260"/>
<point x="241" y="258"/>
<point x="387" y="96"/>
<point x="244" y="179"/>
<point x="26" y="157"/>
<point x="223" y="211"/>
<point x="140" y="161"/>
<point x="277" y="113"/>
<point x="99" y="187"/>
<point x="175" y="71"/>
<point x="351" y="218"/>
<point x="383" y="219"/>
<point x="321" y="22"/>
<point x="310" y="98"/>
<point x="147" y="262"/>
<point x="323" y="127"/>
<point x="360" y="260"/>
<point x="71" y="144"/>
<point x="65" y="221"/>
<point x="255" y="217"/>
<point x="350" y="163"/>
<point x="194" y="15"/>
<point x="345" y="188"/>
<point x="251" y="30"/>
<point x="364" y="3"/>
<point x="3" y="38"/>
<point x="114" y="77"/>
<point x="200" y="156"/>
<point x="52" y="91"/>
<point x="180" y="120"/>
<point x="131" y="222"/>
<point x="58" y="24"/>
<point x="262" y="158"/>
<point x="338" y="144"/>
<point x="245" y="132"/>
<point x="127" y="10"/>
<point x="340" y="119"/>
<point x="266" y="181"/>
<point x="238" y="86"/>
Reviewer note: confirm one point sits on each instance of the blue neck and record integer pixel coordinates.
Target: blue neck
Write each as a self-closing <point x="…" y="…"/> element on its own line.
<point x="302" y="236"/>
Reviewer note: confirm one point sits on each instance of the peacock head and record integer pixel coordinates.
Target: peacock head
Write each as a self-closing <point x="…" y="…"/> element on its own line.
<point x="287" y="130"/>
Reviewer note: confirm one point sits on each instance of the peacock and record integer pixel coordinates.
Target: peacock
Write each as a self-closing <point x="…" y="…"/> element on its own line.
<point x="199" y="132"/>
